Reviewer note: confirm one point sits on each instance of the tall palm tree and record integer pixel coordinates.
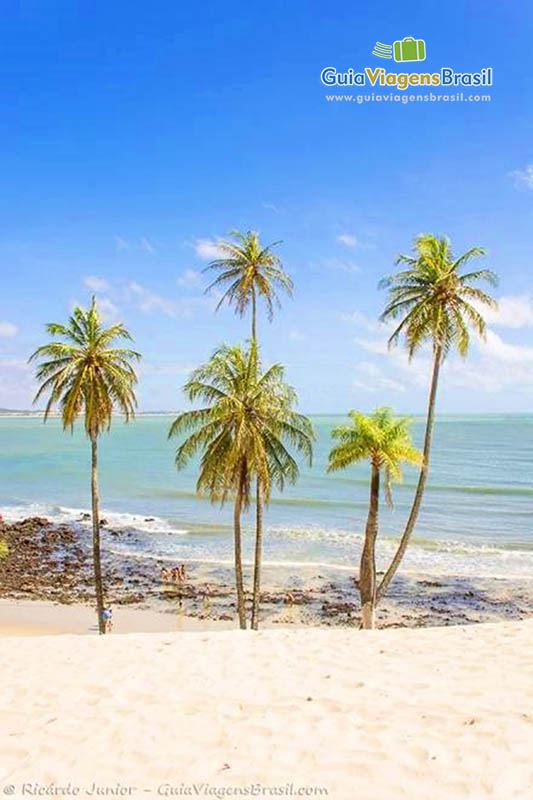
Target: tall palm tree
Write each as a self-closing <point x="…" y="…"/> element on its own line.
<point x="248" y="272"/>
<point x="385" y="441"/>
<point x="86" y="374"/>
<point x="437" y="303"/>
<point x="243" y="431"/>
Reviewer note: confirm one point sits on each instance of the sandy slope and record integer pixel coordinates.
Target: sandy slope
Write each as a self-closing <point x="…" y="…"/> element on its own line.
<point x="434" y="713"/>
<point x="39" y="618"/>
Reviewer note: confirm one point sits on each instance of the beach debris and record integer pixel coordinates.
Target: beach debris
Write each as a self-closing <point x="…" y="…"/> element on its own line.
<point x="53" y="561"/>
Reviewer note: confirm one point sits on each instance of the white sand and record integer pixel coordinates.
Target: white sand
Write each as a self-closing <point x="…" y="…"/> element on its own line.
<point x="38" y="618"/>
<point x="384" y="715"/>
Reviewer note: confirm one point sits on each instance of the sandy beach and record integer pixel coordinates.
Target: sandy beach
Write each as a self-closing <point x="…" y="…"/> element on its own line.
<point x="41" y="618"/>
<point x="51" y="563"/>
<point x="440" y="713"/>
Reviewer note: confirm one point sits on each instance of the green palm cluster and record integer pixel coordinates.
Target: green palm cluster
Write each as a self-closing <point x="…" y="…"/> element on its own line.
<point x="248" y="272"/>
<point x="380" y="438"/>
<point x="243" y="431"/>
<point x="85" y="373"/>
<point x="385" y="441"/>
<point x="246" y="431"/>
<point x="248" y="417"/>
<point x="436" y="302"/>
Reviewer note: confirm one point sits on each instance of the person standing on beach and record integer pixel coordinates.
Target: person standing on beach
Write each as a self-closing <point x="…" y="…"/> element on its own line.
<point x="107" y="616"/>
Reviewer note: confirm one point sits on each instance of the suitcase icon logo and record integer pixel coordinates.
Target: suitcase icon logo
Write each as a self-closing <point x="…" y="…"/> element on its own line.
<point x="410" y="49"/>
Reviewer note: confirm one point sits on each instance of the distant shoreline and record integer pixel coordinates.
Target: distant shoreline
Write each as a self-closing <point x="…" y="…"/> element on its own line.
<point x="30" y="414"/>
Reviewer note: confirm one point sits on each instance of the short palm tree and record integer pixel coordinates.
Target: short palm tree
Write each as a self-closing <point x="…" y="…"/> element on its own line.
<point x="86" y="374"/>
<point x="243" y="431"/>
<point x="437" y="304"/>
<point x="248" y="272"/>
<point x="385" y="441"/>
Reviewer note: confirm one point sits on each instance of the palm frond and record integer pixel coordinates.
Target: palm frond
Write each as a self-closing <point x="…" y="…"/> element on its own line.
<point x="83" y="374"/>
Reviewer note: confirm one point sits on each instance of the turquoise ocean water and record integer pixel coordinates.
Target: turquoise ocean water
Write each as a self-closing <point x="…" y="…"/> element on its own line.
<point x="477" y="517"/>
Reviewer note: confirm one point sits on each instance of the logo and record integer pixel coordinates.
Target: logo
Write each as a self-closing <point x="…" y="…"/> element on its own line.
<point x="382" y="50"/>
<point x="407" y="49"/>
<point x="404" y="50"/>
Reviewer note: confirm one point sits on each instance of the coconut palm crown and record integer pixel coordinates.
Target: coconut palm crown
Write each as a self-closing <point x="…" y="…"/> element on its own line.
<point x="84" y="372"/>
<point x="380" y="438"/>
<point x="243" y="431"/>
<point x="437" y="303"/>
<point x="245" y="426"/>
<point x="248" y="272"/>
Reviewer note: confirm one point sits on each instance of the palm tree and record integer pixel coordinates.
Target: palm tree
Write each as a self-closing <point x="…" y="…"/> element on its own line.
<point x="243" y="430"/>
<point x="437" y="304"/>
<point x="386" y="442"/>
<point x="248" y="272"/>
<point x="86" y="374"/>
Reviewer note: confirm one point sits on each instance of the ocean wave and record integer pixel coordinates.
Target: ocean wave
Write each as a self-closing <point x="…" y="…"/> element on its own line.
<point x="309" y="546"/>
<point x="74" y="516"/>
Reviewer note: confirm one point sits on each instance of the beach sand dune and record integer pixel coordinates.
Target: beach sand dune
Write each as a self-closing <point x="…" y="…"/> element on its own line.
<point x="426" y="713"/>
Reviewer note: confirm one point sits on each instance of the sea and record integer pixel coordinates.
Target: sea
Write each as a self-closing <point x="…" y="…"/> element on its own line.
<point x="476" y="518"/>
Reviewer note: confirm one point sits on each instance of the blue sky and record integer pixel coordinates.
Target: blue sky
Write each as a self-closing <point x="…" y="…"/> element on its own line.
<point x="133" y="135"/>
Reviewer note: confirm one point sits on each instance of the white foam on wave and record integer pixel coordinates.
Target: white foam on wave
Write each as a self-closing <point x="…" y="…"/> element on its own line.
<point x="115" y="520"/>
<point x="432" y="557"/>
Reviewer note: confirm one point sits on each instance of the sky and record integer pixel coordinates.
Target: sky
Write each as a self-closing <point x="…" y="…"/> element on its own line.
<point x="134" y="136"/>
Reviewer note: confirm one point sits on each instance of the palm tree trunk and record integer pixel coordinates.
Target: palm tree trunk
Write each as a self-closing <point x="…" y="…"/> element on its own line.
<point x="367" y="571"/>
<point x="422" y="479"/>
<point x="259" y="508"/>
<point x="238" y="558"/>
<point x="98" y="583"/>
<point x="254" y="316"/>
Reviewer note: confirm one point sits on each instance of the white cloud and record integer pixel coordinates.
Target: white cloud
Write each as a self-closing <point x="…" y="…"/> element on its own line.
<point x="378" y="345"/>
<point x="8" y="330"/>
<point x="523" y="178"/>
<point x="107" y="308"/>
<point x="514" y="311"/>
<point x="341" y="265"/>
<point x="191" y="279"/>
<point x="297" y="335"/>
<point x="150" y="301"/>
<point x="121" y="244"/>
<point x="271" y="207"/>
<point x="95" y="283"/>
<point x="207" y="249"/>
<point x="362" y="321"/>
<point x="147" y="301"/>
<point x="147" y="246"/>
<point x="492" y="366"/>
<point x="164" y="368"/>
<point x="495" y="347"/>
<point x="347" y="239"/>
<point x="144" y="245"/>
<point x="372" y="379"/>
<point x="416" y="371"/>
<point x="17" y="387"/>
